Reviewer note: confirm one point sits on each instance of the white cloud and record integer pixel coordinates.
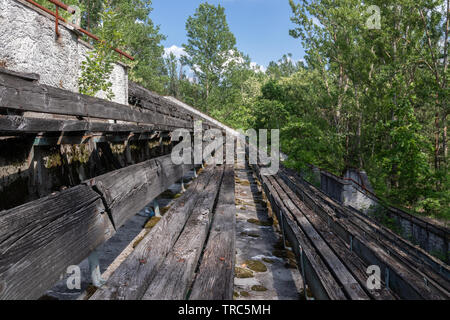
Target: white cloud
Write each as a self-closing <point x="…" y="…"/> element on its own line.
<point x="316" y="22"/>
<point x="177" y="51"/>
<point x="232" y="57"/>
<point x="257" y="67"/>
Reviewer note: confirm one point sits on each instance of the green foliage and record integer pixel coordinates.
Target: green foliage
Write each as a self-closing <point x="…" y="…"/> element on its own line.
<point x="381" y="214"/>
<point x="99" y="63"/>
<point x="210" y="45"/>
<point x="381" y="96"/>
<point x="142" y="39"/>
<point x="375" y="99"/>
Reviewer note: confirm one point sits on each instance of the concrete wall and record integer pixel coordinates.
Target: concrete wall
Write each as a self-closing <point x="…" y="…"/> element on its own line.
<point x="28" y="44"/>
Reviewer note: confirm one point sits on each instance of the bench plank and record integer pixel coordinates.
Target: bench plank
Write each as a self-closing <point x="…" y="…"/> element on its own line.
<point x="175" y="276"/>
<point x="215" y="278"/>
<point x="40" y="239"/>
<point x="127" y="190"/>
<point x="351" y="286"/>
<point x="319" y="278"/>
<point x="19" y="124"/>
<point x="20" y="94"/>
<point x="130" y="280"/>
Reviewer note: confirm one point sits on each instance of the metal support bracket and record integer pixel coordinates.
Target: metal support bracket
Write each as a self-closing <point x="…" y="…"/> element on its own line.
<point x="195" y="173"/>
<point x="386" y="278"/>
<point x="148" y="212"/>
<point x="302" y="265"/>
<point x="157" y="213"/>
<point x="94" y="269"/>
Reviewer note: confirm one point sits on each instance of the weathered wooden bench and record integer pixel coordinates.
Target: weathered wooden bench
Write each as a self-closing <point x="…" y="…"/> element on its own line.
<point x="41" y="238"/>
<point x="38" y="240"/>
<point x="334" y="246"/>
<point x="192" y="246"/>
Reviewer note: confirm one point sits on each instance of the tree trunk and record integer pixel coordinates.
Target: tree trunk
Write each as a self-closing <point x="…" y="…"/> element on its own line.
<point x="436" y="141"/>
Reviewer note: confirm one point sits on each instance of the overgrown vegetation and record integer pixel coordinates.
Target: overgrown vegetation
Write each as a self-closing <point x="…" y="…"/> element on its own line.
<point x="370" y="98"/>
<point x="99" y="64"/>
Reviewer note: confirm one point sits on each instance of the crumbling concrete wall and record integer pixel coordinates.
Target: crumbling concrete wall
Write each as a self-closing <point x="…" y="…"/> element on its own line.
<point x="28" y="44"/>
<point x="347" y="191"/>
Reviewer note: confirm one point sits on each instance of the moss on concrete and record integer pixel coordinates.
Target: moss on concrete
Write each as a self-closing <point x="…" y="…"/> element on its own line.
<point x="268" y="260"/>
<point x="52" y="161"/>
<point x="243" y="273"/>
<point x="256" y="265"/>
<point x="259" y="288"/>
<point x="164" y="210"/>
<point x="117" y="148"/>
<point x="245" y="294"/>
<point x="290" y="254"/>
<point x="242" y="182"/>
<point x="291" y="264"/>
<point x="138" y="240"/>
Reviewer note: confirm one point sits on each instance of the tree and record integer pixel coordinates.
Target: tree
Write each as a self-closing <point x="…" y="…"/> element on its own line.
<point x="285" y="67"/>
<point x="142" y="39"/>
<point x="385" y="89"/>
<point x="210" y="45"/>
<point x="99" y="63"/>
<point x="173" y="75"/>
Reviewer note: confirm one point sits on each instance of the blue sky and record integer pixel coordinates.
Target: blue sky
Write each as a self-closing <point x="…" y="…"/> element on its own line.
<point x="261" y="27"/>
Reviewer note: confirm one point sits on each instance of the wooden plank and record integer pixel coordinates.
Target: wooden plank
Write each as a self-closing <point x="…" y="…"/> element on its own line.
<point x="175" y="276"/>
<point x="349" y="283"/>
<point x="40" y="239"/>
<point x="351" y="261"/>
<point x="415" y="259"/>
<point x="19" y="94"/>
<point x="153" y="102"/>
<point x="127" y="190"/>
<point x="215" y="278"/>
<point x="26" y="76"/>
<point x="320" y="280"/>
<point x="418" y="255"/>
<point x="403" y="280"/>
<point x="19" y="124"/>
<point x="130" y="280"/>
